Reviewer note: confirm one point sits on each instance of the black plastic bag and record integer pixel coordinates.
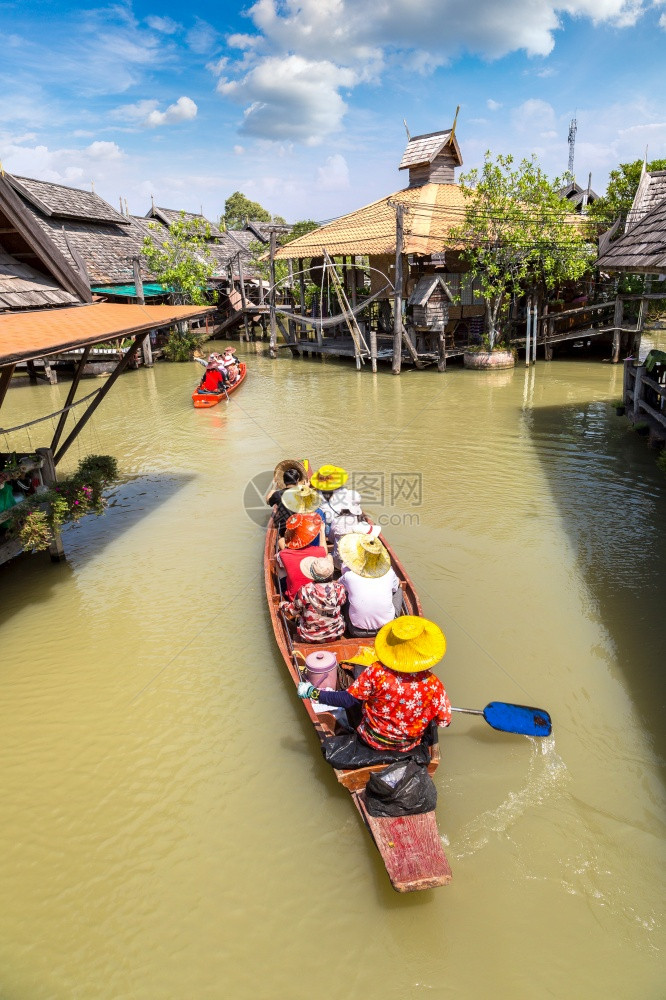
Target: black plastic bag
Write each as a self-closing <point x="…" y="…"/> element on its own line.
<point x="403" y="789"/>
<point x="349" y="751"/>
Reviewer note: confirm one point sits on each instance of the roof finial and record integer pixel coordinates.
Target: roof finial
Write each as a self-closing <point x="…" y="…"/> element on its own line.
<point x="152" y="204"/>
<point x="453" y="127"/>
<point x="404" y="122"/>
<point x="120" y="199"/>
<point x="2" y="169"/>
<point x="92" y="186"/>
<point x="126" y="208"/>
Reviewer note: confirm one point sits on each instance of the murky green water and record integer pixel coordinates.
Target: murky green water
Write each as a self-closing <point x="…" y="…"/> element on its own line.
<point x="169" y="829"/>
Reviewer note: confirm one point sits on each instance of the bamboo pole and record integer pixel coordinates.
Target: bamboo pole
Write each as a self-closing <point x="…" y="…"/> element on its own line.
<point x="373" y="347"/>
<point x="146" y="347"/>
<point x="243" y="299"/>
<point x="617" y="324"/>
<point x="397" y="298"/>
<point x="528" y="332"/>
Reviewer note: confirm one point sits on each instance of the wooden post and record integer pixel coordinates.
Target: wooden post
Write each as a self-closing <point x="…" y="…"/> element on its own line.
<point x="639" y="371"/>
<point x="547" y="326"/>
<point x="441" y="350"/>
<point x="397" y="298"/>
<point x="138" y="285"/>
<point x="617" y="324"/>
<point x="49" y="478"/>
<point x="272" y="350"/>
<point x="32" y="371"/>
<point x="78" y="372"/>
<point x="291" y="324"/>
<point x="6" y="373"/>
<point x="373" y="346"/>
<point x="49" y="372"/>
<point x="122" y="366"/>
<point x="528" y="332"/>
<point x="243" y="298"/>
<point x="354" y="273"/>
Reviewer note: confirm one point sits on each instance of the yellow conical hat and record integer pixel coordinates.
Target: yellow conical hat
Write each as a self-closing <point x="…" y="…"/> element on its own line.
<point x="329" y="478"/>
<point x="301" y="499"/>
<point x="364" y="555"/>
<point x="410" y="644"/>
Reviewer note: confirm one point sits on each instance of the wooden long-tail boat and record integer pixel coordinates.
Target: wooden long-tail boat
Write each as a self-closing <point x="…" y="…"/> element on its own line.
<point x="410" y="846"/>
<point x="204" y="400"/>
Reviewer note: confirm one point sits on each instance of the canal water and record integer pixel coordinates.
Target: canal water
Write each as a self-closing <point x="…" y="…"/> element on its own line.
<point x="169" y="828"/>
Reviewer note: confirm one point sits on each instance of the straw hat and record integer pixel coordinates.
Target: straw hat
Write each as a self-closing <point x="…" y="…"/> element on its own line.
<point x="409" y="644"/>
<point x="301" y="529"/>
<point x="329" y="478"/>
<point x="281" y="468"/>
<point x="346" y="500"/>
<point x="317" y="569"/>
<point x="301" y="499"/>
<point x="364" y="555"/>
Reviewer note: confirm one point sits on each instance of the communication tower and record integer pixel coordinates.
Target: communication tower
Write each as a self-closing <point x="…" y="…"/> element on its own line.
<point x="573" y="128"/>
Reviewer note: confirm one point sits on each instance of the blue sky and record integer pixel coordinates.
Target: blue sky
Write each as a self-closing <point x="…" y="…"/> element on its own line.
<point x="300" y="103"/>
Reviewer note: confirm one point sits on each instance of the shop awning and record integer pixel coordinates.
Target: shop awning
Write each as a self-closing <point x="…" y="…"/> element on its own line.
<point x="28" y="335"/>
<point x="151" y="290"/>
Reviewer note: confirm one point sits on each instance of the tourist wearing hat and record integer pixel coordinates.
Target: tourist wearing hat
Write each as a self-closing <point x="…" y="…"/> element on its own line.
<point x="373" y="589"/>
<point x="289" y="478"/>
<point x="318" y="604"/>
<point x="348" y="519"/>
<point x="302" y="499"/>
<point x="213" y="380"/>
<point x="328" y="479"/>
<point x="302" y="539"/>
<point x="296" y="524"/>
<point x="399" y="694"/>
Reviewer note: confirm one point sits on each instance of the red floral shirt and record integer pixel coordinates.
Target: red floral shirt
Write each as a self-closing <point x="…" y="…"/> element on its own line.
<point x="398" y="707"/>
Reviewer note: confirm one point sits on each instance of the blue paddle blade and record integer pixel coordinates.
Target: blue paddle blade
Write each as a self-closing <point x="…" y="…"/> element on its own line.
<point x="518" y="719"/>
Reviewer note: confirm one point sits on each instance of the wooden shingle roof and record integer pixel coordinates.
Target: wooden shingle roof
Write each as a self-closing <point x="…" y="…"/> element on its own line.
<point x="431" y="211"/>
<point x="105" y="249"/>
<point x="23" y="287"/>
<point x="422" y="149"/>
<point x="60" y="202"/>
<point x="642" y="249"/>
<point x="650" y="192"/>
<point x="425" y="286"/>
<point x="169" y="215"/>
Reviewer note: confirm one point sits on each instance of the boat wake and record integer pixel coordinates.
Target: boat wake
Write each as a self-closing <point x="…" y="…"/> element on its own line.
<point x="547" y="774"/>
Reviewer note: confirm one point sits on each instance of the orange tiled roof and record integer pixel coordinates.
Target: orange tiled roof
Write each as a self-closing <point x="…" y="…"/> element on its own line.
<point x="431" y="211"/>
<point x="28" y="335"/>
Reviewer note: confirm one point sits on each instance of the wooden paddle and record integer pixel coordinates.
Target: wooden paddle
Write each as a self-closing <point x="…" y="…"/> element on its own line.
<point x="509" y="718"/>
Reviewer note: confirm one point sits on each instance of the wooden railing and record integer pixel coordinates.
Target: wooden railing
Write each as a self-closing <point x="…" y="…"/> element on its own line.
<point x="645" y="397"/>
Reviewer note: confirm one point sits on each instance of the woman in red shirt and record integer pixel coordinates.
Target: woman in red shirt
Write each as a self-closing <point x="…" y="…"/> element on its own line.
<point x="399" y="694"/>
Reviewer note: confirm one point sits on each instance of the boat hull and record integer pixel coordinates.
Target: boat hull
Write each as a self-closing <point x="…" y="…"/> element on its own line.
<point x="204" y="400"/>
<point x="410" y="846"/>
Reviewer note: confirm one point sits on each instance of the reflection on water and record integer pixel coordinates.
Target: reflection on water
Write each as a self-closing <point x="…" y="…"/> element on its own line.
<point x="170" y="828"/>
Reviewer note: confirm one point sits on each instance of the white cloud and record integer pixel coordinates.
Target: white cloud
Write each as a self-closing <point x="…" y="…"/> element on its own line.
<point x="662" y="21"/>
<point x="493" y="105"/>
<point x="239" y="150"/>
<point x="202" y="37"/>
<point x="165" y="25"/>
<point x="101" y="150"/>
<point x="334" y="174"/>
<point x="183" y="110"/>
<point x="533" y="115"/>
<point x="360" y="41"/>
<point x="291" y="98"/>
<point x="136" y="112"/>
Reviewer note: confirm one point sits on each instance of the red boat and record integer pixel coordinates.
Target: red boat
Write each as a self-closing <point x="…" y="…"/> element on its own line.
<point x="410" y="846"/>
<point x="203" y="400"/>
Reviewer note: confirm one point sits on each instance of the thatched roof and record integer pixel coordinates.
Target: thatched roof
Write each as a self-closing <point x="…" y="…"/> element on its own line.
<point x="431" y="211"/>
<point x="642" y="249"/>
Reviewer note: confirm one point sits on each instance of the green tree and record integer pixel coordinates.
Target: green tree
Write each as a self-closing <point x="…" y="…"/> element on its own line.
<point x="622" y="187"/>
<point x="517" y="233"/>
<point x="180" y="259"/>
<point x="238" y="209"/>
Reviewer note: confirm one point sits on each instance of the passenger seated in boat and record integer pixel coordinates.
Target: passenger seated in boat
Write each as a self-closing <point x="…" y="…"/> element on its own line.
<point x="399" y="695"/>
<point x="213" y="380"/>
<point x="294" y="528"/>
<point x="231" y="363"/>
<point x="348" y="520"/>
<point x="290" y="477"/>
<point x="373" y="589"/>
<point x="318" y="604"/>
<point x="328" y="480"/>
<point x="302" y="538"/>
<point x="302" y="499"/>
